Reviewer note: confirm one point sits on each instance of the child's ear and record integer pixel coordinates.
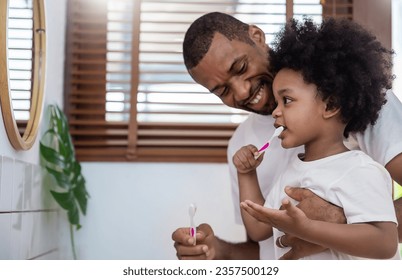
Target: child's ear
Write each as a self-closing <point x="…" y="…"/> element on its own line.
<point x="332" y="108"/>
<point x="331" y="111"/>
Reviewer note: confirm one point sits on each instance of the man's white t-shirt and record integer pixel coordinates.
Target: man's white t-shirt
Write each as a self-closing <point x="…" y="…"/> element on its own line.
<point x="382" y="142"/>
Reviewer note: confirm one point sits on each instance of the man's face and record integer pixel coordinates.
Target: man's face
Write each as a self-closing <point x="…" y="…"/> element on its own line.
<point x="237" y="73"/>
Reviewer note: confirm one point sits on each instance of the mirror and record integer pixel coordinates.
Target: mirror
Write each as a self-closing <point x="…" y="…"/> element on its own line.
<point x="22" y="69"/>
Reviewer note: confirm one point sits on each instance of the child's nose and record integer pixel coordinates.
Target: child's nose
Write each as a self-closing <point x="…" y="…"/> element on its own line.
<point x="277" y="112"/>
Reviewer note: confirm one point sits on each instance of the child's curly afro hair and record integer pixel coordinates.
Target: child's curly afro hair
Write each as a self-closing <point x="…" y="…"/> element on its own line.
<point x="349" y="66"/>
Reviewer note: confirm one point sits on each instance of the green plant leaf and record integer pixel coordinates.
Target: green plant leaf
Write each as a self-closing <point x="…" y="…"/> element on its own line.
<point x="59" y="123"/>
<point x="81" y="195"/>
<point x="61" y="178"/>
<point x="64" y="199"/>
<point x="62" y="120"/>
<point x="63" y="130"/>
<point x="52" y="156"/>
<point x="77" y="178"/>
<point x="74" y="215"/>
<point x="58" y="157"/>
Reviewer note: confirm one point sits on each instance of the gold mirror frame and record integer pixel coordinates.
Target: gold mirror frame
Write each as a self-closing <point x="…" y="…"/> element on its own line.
<point x="25" y="141"/>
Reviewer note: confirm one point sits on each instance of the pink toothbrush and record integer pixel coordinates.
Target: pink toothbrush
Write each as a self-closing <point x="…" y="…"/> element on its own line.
<point x="191" y="211"/>
<point x="263" y="148"/>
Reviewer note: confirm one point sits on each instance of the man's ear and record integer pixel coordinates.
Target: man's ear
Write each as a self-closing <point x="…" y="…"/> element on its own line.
<point x="256" y="34"/>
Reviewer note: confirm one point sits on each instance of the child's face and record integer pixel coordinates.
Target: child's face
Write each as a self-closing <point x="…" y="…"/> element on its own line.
<point x="300" y="109"/>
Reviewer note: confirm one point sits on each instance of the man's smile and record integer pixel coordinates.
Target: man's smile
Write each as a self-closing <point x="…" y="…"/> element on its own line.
<point x="258" y="96"/>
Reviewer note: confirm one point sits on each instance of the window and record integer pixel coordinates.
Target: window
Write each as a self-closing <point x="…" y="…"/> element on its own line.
<point x="128" y="94"/>
<point x="22" y="63"/>
<point x="337" y="8"/>
<point x="20" y="46"/>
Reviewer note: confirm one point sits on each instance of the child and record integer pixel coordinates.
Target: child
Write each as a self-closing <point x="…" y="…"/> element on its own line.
<point x="330" y="81"/>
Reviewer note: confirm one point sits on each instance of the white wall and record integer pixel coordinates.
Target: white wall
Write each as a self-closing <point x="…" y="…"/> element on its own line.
<point x="135" y="207"/>
<point x="29" y="222"/>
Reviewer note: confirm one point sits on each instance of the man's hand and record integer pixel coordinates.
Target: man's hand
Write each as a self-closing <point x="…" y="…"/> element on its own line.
<point x="299" y="247"/>
<point x="203" y="250"/>
<point x="210" y="247"/>
<point x="315" y="208"/>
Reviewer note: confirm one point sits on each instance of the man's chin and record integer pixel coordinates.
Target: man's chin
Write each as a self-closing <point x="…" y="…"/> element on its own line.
<point x="262" y="111"/>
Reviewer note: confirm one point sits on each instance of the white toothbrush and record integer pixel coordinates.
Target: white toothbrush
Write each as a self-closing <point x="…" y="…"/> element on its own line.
<point x="263" y="148"/>
<point x="191" y="211"/>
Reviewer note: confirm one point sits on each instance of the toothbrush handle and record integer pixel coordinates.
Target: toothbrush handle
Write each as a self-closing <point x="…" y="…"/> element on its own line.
<point x="261" y="151"/>
<point x="193" y="232"/>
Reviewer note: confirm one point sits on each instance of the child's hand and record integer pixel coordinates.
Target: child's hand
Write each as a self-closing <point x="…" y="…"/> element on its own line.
<point x="244" y="160"/>
<point x="291" y="219"/>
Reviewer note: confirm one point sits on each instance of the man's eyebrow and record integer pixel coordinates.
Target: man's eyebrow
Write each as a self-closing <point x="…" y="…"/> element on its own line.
<point x="235" y="62"/>
<point x="212" y="90"/>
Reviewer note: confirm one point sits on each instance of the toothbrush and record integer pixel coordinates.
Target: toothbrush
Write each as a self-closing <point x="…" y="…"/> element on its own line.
<point x="263" y="148"/>
<point x="191" y="211"/>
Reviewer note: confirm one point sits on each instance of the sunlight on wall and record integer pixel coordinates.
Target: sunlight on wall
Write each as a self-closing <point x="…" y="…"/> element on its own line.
<point x="397" y="46"/>
<point x="397" y="191"/>
<point x="397" y="86"/>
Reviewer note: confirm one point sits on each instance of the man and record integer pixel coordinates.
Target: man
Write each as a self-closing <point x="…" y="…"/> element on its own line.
<point x="230" y="59"/>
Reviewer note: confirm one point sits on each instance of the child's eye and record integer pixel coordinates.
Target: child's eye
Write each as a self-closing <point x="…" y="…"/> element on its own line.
<point x="286" y="100"/>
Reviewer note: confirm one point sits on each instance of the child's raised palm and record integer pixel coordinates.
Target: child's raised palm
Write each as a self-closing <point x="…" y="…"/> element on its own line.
<point x="289" y="218"/>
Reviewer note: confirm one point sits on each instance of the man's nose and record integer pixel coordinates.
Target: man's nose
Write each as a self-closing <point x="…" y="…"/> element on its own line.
<point x="241" y="88"/>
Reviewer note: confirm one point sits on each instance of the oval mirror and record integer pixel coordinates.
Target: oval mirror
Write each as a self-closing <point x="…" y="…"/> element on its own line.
<point x="22" y="69"/>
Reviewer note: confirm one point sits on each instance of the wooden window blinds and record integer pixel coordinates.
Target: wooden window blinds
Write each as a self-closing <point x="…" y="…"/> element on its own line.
<point x="20" y="51"/>
<point x="128" y="95"/>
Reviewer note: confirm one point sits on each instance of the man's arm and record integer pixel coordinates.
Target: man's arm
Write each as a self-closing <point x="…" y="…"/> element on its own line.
<point x="394" y="167"/>
<point x="398" y="210"/>
<point x="210" y="247"/>
<point x="248" y="250"/>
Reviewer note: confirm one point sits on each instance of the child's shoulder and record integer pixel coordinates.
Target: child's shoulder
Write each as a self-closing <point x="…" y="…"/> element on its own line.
<point x="364" y="164"/>
<point x="360" y="156"/>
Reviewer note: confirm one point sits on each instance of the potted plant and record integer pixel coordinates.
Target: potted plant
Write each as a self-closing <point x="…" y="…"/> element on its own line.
<point x="58" y="158"/>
